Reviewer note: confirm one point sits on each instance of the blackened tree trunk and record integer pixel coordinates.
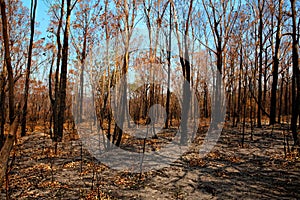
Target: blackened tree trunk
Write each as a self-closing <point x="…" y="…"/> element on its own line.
<point x="221" y="17"/>
<point x="286" y="95"/>
<point x="260" y="67"/>
<point x="129" y="17"/>
<point x="205" y="100"/>
<point x="5" y="35"/>
<point x="280" y="98"/>
<point x="217" y="100"/>
<point x="107" y="36"/>
<point x="83" y="57"/>
<point x="118" y="132"/>
<point x="55" y="101"/>
<point x="27" y="79"/>
<point x="169" y="71"/>
<point x="275" y="67"/>
<point x="7" y="147"/>
<point x="186" y="69"/>
<point x="13" y="118"/>
<point x="296" y="77"/>
<point x="63" y="75"/>
<point x="2" y="106"/>
<point x="238" y="111"/>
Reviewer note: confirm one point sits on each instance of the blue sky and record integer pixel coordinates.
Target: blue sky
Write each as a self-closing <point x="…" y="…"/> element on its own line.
<point x="41" y="15"/>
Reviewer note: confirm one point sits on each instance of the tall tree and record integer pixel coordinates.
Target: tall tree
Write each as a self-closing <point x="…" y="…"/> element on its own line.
<point x="276" y="65"/>
<point x="186" y="69"/>
<point x="13" y="119"/>
<point x="55" y="100"/>
<point x="128" y="14"/>
<point x="296" y="75"/>
<point x="64" y="71"/>
<point x="6" y="39"/>
<point x="261" y="6"/>
<point x="28" y="69"/>
<point x="58" y="102"/>
<point x="221" y="17"/>
<point x="2" y="105"/>
<point x="84" y="27"/>
<point x="169" y="70"/>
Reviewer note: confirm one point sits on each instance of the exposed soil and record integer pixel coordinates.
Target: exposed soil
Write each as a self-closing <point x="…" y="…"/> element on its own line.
<point x="259" y="170"/>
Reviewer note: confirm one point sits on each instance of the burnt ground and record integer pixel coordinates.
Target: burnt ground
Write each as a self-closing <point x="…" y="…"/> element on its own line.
<point x="258" y="170"/>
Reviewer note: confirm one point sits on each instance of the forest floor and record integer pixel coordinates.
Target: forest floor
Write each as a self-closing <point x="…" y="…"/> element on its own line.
<point x="259" y="170"/>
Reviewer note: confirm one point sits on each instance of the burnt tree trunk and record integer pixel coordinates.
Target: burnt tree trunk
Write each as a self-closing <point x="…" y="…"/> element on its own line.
<point x="63" y="75"/>
<point x="13" y="119"/>
<point x="55" y="101"/>
<point x="260" y="37"/>
<point x="169" y="71"/>
<point x="186" y="69"/>
<point x="5" y="35"/>
<point x="27" y="79"/>
<point x="275" y="68"/>
<point x="296" y="78"/>
<point x="2" y="106"/>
